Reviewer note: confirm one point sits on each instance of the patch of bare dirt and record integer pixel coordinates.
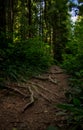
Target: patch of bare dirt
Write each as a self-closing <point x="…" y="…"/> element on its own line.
<point x="32" y="105"/>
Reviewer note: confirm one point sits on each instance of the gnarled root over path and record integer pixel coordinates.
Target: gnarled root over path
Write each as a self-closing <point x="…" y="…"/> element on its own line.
<point x="38" y="86"/>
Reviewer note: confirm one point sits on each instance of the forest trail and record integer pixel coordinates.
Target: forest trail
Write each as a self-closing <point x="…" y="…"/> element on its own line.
<point x="32" y="105"/>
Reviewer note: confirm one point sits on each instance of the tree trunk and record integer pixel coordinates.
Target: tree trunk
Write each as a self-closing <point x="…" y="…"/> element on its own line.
<point x="10" y="20"/>
<point x="29" y="17"/>
<point x="2" y="23"/>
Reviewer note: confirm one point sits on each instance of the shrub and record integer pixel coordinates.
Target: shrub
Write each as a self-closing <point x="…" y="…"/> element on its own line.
<point x="25" y="58"/>
<point x="73" y="63"/>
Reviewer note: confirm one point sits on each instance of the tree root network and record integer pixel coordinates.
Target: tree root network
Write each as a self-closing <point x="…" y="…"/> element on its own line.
<point x="33" y="87"/>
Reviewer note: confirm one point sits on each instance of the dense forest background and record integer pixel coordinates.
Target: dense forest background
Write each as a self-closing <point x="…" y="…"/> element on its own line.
<point x="34" y="34"/>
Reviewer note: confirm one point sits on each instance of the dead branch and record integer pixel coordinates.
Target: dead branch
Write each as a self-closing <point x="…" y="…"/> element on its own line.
<point x="31" y="99"/>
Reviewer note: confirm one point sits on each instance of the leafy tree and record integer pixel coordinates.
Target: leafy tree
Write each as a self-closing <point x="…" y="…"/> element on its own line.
<point x="21" y="20"/>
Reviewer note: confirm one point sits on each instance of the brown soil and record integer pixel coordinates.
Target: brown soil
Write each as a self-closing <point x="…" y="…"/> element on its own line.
<point x="32" y="105"/>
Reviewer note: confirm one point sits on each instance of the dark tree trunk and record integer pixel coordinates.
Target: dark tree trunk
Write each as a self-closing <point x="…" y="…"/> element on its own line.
<point x="57" y="48"/>
<point x="29" y="17"/>
<point x="2" y="16"/>
<point x="10" y="20"/>
<point x="2" y="23"/>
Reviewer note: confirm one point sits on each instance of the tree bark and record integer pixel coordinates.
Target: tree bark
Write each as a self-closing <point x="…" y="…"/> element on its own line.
<point x="29" y="17"/>
<point x="2" y="23"/>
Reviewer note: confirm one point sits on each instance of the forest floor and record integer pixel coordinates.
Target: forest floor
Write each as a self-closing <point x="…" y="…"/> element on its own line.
<point x="31" y="105"/>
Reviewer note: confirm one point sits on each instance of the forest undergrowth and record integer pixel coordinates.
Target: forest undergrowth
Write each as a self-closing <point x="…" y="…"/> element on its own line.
<point x="34" y="37"/>
<point x="73" y="64"/>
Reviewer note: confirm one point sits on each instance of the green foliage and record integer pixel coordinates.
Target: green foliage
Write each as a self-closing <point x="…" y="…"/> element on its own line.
<point x="73" y="59"/>
<point x="73" y="63"/>
<point x="75" y="103"/>
<point x="25" y="58"/>
<point x="75" y="113"/>
<point x="52" y="128"/>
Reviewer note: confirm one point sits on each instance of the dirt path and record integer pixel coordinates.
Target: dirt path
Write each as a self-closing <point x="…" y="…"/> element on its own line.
<point x="31" y="105"/>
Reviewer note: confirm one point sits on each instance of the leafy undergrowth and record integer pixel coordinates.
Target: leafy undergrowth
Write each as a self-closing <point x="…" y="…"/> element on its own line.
<point x="73" y="64"/>
<point x="74" y="107"/>
<point x="24" y="59"/>
<point x="30" y="105"/>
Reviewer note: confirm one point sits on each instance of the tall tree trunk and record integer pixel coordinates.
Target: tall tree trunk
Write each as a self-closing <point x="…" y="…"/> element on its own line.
<point x="10" y="20"/>
<point x="41" y="19"/>
<point x="29" y="17"/>
<point x="2" y="23"/>
<point x="57" y="50"/>
<point x="60" y="29"/>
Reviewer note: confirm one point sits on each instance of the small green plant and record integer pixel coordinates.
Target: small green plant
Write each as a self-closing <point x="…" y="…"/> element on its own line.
<point x="74" y="107"/>
<point x="75" y="113"/>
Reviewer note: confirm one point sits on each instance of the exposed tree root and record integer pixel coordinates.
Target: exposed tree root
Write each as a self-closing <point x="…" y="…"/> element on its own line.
<point x="52" y="80"/>
<point x="45" y="89"/>
<point x="34" y="87"/>
<point x="47" y="78"/>
<point x="61" y="72"/>
<point x="41" y="94"/>
<point x="15" y="90"/>
<point x="31" y="99"/>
